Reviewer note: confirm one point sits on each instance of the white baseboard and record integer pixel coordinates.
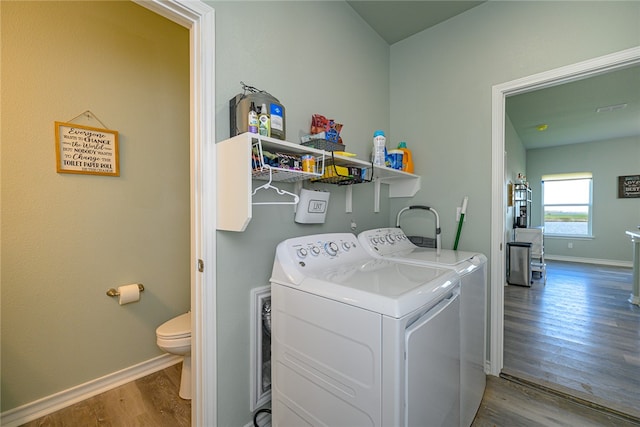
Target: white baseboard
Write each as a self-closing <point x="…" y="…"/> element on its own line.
<point x="611" y="262"/>
<point x="49" y="404"/>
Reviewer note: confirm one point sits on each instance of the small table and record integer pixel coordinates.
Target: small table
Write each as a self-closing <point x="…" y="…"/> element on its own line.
<point x="635" y="239"/>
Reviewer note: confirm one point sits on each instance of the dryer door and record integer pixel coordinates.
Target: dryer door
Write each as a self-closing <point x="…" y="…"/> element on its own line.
<point x="432" y="369"/>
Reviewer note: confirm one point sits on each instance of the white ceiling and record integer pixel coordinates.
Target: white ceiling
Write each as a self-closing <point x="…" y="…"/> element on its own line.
<point x="568" y="109"/>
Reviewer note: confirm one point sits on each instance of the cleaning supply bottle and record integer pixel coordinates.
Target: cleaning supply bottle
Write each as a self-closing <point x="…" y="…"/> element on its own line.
<point x="253" y="119"/>
<point x="379" y="148"/>
<point x="264" y="123"/>
<point x="407" y="161"/>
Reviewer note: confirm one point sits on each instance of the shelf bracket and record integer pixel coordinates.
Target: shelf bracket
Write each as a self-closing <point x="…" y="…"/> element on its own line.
<point x="376" y="196"/>
<point x="349" y="199"/>
<point x="297" y="189"/>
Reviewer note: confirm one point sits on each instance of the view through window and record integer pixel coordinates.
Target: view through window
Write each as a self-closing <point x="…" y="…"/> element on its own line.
<point x="567" y="204"/>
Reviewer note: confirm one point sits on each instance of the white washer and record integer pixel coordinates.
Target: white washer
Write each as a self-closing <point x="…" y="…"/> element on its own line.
<point x="359" y="341"/>
<point x="393" y="244"/>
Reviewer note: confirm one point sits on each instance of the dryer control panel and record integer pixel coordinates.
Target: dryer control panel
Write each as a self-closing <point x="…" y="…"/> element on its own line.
<point x="385" y="241"/>
<point x="318" y="248"/>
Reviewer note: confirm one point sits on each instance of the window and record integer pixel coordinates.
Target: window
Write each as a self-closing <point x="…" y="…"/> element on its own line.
<point x="567" y="204"/>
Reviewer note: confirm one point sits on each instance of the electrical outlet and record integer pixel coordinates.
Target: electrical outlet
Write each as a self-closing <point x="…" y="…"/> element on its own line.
<point x="570" y="245"/>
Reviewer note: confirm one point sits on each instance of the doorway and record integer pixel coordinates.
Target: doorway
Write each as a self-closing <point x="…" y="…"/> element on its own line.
<point x="499" y="195"/>
<point x="552" y="333"/>
<point x="199" y="19"/>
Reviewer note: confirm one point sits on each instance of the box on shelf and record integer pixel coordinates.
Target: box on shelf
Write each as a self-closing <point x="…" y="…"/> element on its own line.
<point x="275" y="160"/>
<point x="289" y="161"/>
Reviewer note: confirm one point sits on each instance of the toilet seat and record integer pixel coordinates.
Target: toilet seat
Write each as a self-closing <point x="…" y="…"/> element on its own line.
<point x="176" y="328"/>
<point x="173" y="342"/>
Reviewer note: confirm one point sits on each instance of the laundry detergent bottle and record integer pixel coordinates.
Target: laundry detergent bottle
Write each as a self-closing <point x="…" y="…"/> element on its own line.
<point x="407" y="161"/>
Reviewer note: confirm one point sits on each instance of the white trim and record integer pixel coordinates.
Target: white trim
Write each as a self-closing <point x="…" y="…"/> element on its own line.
<point x="498" y="215"/>
<point x="199" y="18"/>
<point x="47" y="405"/>
<point x="597" y="261"/>
<point x="550" y="78"/>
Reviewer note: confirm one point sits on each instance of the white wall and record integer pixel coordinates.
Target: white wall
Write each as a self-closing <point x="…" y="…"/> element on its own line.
<point x="66" y="238"/>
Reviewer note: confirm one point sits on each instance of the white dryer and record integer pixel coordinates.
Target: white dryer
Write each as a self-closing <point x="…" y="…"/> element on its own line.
<point x="392" y="244"/>
<point x="360" y="341"/>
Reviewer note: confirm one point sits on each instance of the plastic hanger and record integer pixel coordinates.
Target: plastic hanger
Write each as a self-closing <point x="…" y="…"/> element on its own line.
<point x="280" y="191"/>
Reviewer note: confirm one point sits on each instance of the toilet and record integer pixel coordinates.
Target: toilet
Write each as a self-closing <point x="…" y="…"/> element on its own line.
<point x="174" y="336"/>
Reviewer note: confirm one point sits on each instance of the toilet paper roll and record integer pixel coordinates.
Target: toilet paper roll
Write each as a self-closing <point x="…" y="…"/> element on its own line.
<point x="128" y="293"/>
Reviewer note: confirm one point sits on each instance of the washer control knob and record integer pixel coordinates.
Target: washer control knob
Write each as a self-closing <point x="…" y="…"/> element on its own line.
<point x="390" y="238"/>
<point x="346" y="246"/>
<point x="302" y="253"/>
<point x="315" y="251"/>
<point x="331" y="248"/>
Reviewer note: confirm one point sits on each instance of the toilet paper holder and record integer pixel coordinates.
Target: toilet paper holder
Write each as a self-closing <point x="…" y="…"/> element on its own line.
<point x="114" y="293"/>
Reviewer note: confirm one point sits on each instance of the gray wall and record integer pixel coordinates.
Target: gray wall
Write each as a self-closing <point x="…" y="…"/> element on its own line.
<point x="66" y="238"/>
<point x="611" y="216"/>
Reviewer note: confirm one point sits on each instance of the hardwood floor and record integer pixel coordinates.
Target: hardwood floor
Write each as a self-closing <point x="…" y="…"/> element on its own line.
<point x="509" y="404"/>
<point x="153" y="401"/>
<point x="149" y="401"/>
<point x="578" y="335"/>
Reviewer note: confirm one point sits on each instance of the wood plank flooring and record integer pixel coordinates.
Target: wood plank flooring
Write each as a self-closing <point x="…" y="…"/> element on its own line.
<point x="149" y="401"/>
<point x="577" y="335"/>
<point x="509" y="404"/>
<point x="155" y="397"/>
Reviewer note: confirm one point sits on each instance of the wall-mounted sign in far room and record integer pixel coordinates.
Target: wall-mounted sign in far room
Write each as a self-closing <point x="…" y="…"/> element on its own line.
<point x="86" y="150"/>
<point x="628" y="186"/>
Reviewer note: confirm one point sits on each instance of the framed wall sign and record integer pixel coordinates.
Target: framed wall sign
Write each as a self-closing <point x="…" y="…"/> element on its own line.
<point x="86" y="150"/>
<point x="628" y="186"/>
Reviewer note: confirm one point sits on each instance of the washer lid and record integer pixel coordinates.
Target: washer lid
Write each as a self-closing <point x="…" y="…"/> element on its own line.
<point x="178" y="327"/>
<point x="457" y="260"/>
<point x="381" y="286"/>
<point x="392" y="243"/>
<point x="336" y="266"/>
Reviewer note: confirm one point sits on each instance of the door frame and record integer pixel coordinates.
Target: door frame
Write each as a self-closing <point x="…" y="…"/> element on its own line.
<point x="199" y="19"/>
<point x="499" y="94"/>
